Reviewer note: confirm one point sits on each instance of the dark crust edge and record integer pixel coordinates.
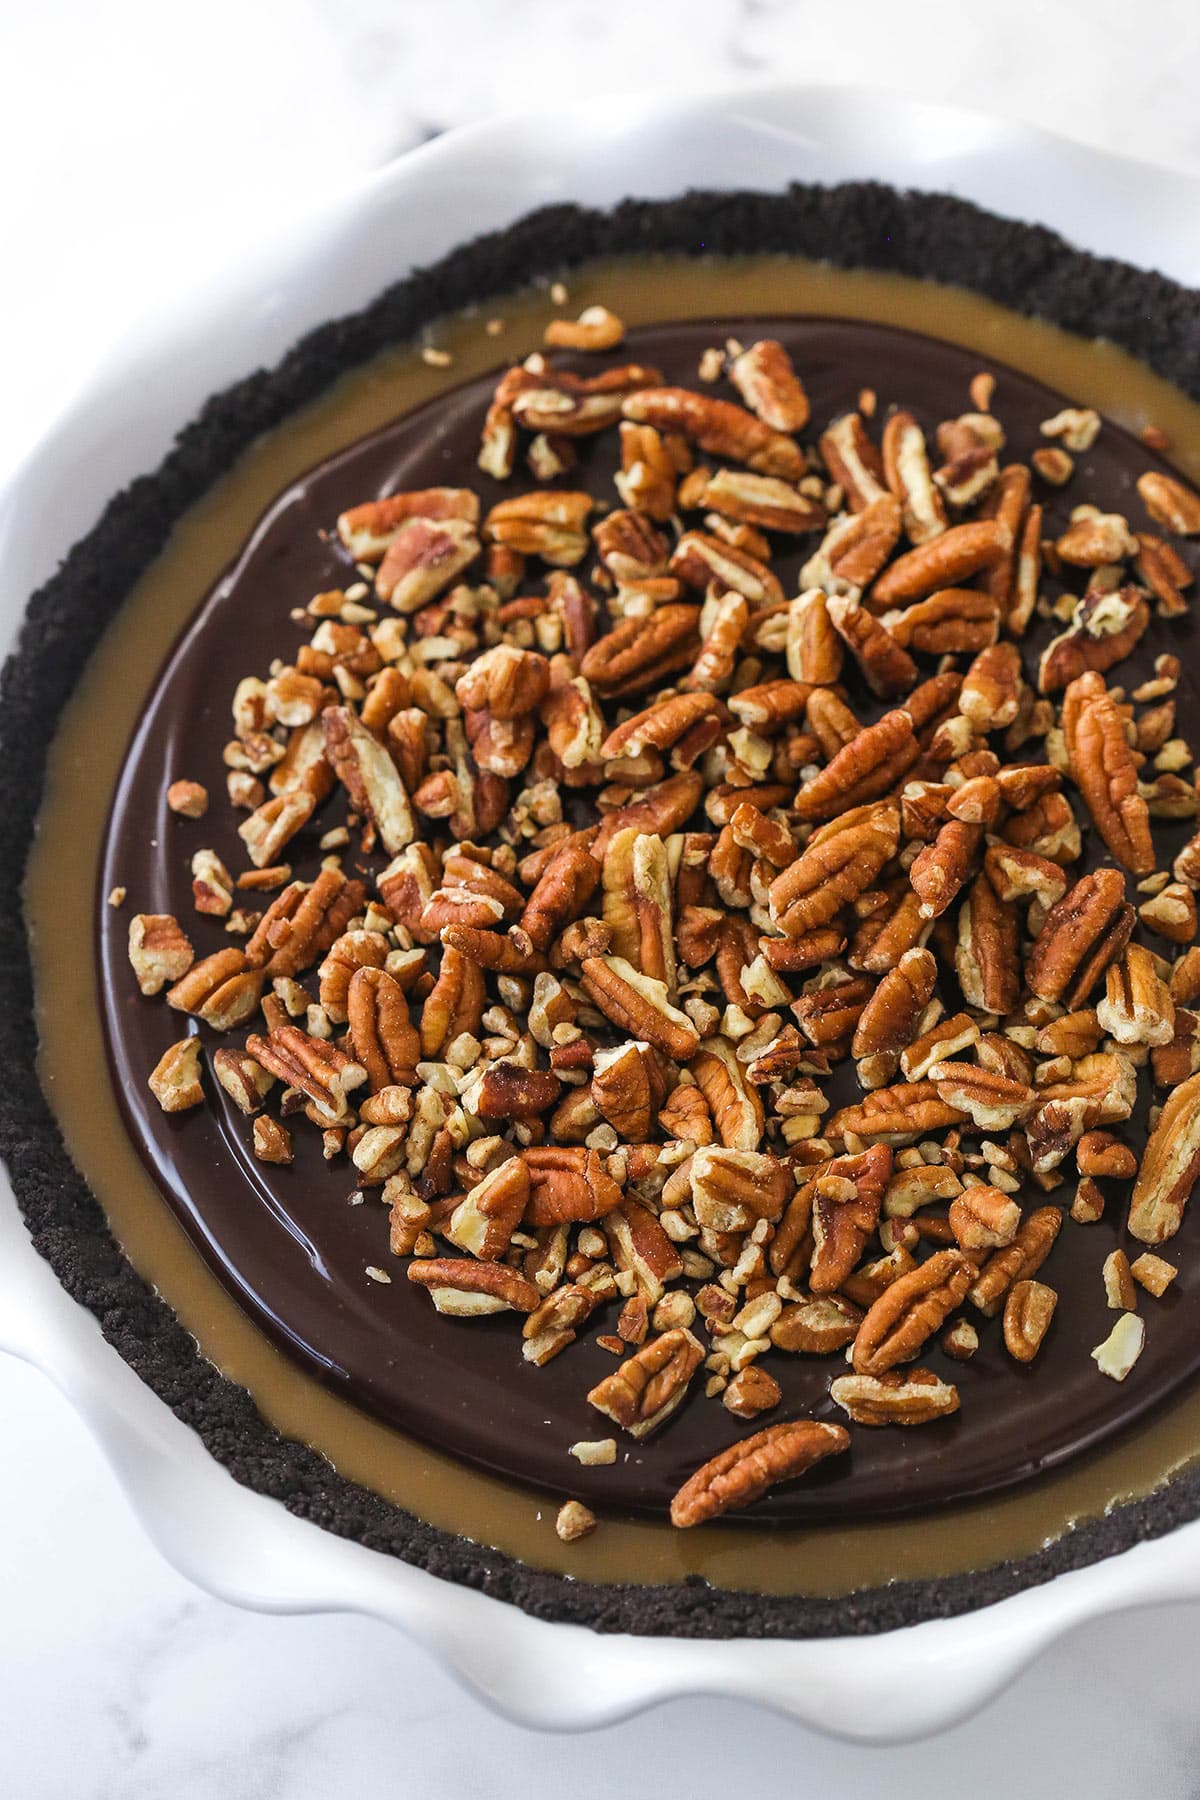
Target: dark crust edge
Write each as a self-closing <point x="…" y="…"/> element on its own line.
<point x="1024" y="267"/>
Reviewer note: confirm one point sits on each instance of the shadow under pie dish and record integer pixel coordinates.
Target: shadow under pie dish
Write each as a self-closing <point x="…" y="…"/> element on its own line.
<point x="291" y="1243"/>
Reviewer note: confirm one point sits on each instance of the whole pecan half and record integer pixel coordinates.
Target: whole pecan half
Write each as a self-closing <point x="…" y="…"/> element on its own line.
<point x="913" y="1398"/>
<point x="910" y="1310"/>
<point x="638" y="1004"/>
<point x="645" y="1390"/>
<point x="640" y="653"/>
<point x="943" y="561"/>
<point x="744" y="1472"/>
<point x="468" y="1289"/>
<point x="763" y="375"/>
<point x="908" y="475"/>
<point x="382" y="1036"/>
<point x="1170" y="1165"/>
<point x="869" y="765"/>
<point x="846" y="1198"/>
<point x="1103" y="768"/>
<point x="1103" y="630"/>
<point x="887" y="666"/>
<point x="719" y="428"/>
<point x="484" y="1221"/>
<point x="567" y="1183"/>
<point x="832" y="872"/>
<point x="1016" y="1261"/>
<point x="1086" y="931"/>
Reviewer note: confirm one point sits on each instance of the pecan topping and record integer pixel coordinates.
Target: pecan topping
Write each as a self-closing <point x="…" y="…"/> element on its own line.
<point x="639" y="860"/>
<point x="567" y="1184"/>
<point x="907" y="472"/>
<point x="638" y="1004"/>
<point x="745" y="1471"/>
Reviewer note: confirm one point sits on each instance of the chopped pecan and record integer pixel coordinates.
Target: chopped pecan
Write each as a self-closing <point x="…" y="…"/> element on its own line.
<point x="175" y="1078"/>
<point x="639" y="1004"/>
<point x="819" y="1327"/>
<point x="870" y="764"/>
<point x="1095" y="538"/>
<point x="942" y="868"/>
<point x="484" y="1221"/>
<point x="639" y="653"/>
<point x="455" y="1004"/>
<point x="984" y="1218"/>
<point x="952" y="621"/>
<point x="746" y="1470"/>
<point x="159" y="950"/>
<point x="890" y="1019"/>
<point x="221" y="989"/>
<point x="1104" y="629"/>
<point x="369" y="775"/>
<point x="991" y="689"/>
<point x="986" y="957"/>
<point x="896" y="1115"/>
<point x="761" y="500"/>
<point x="733" y="1188"/>
<point x="547" y="523"/>
<point x="368" y="530"/>
<point x="648" y="475"/>
<point x="888" y="668"/>
<point x="854" y="548"/>
<point x="853" y="461"/>
<point x="846" y="1199"/>
<point x="568" y="1183"/>
<point x="992" y="1100"/>
<point x="1082" y="934"/>
<point x="734" y="1103"/>
<point x="318" y="1068"/>
<point x="1137" y="1007"/>
<point x="627" y="1089"/>
<point x="422" y="560"/>
<point x="382" y="1036"/>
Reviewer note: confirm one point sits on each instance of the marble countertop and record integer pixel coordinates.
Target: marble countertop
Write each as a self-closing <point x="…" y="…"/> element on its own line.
<point x="146" y="141"/>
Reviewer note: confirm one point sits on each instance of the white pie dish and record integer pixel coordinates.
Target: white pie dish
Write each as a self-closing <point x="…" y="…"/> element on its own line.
<point x="235" y="1542"/>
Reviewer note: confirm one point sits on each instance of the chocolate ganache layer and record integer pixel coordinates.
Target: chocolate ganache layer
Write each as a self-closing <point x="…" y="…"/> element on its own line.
<point x="289" y="1243"/>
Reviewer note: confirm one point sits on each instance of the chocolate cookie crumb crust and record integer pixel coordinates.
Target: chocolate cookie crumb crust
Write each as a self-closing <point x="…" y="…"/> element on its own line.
<point x="67" y="1226"/>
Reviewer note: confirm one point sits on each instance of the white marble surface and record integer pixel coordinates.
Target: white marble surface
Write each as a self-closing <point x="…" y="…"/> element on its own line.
<point x="139" y="142"/>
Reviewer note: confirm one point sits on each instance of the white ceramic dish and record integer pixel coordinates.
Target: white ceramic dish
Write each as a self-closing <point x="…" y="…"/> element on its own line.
<point x="237" y="1543"/>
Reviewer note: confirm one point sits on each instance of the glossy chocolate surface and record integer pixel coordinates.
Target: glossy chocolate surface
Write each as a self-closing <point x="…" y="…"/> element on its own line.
<point x="287" y="1242"/>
